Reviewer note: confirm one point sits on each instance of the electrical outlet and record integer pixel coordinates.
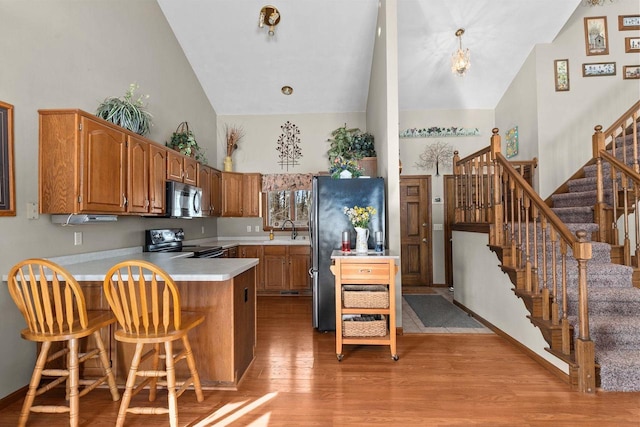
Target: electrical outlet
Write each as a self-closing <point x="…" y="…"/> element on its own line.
<point x="248" y="229"/>
<point x="203" y="229"/>
<point x="257" y="228"/>
<point x="77" y="238"/>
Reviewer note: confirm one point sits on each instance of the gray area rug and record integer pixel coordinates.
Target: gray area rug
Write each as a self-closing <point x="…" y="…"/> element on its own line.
<point x="435" y="311"/>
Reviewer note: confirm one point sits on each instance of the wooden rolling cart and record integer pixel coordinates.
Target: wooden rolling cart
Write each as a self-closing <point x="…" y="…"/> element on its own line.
<point x="365" y="299"/>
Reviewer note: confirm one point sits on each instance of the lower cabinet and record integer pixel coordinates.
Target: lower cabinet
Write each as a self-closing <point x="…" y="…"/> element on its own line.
<point x="254" y="251"/>
<point x="286" y="269"/>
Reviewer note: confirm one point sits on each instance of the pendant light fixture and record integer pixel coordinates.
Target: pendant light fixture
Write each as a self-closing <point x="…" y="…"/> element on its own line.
<point x="269" y="16"/>
<point x="461" y="59"/>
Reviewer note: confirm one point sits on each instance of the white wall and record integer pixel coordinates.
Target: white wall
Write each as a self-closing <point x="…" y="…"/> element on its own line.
<point x="411" y="148"/>
<point x="73" y="54"/>
<point x="490" y="295"/>
<point x="566" y="119"/>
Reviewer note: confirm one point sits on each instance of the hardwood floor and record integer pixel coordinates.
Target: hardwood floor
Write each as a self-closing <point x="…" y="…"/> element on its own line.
<point x="440" y="380"/>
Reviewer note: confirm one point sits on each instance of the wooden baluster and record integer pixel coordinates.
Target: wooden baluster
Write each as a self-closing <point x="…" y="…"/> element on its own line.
<point x="476" y="189"/>
<point x="615" y="239"/>
<point x="599" y="213"/>
<point x="634" y="122"/>
<point x="545" y="284"/>
<point x="527" y="248"/>
<point x="519" y="212"/>
<point x="566" y="331"/>
<point x="513" y="201"/>
<point x="636" y="195"/>
<point x="626" y="242"/>
<point x="555" y="309"/>
<point x="534" y="271"/>
<point x="457" y="183"/>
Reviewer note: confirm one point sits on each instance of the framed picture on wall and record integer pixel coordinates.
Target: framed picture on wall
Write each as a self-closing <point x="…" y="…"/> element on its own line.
<point x="599" y="69"/>
<point x="7" y="183"/>
<point x="561" y="74"/>
<point x="628" y="22"/>
<point x="596" y="39"/>
<point x="632" y="44"/>
<point x="631" y="72"/>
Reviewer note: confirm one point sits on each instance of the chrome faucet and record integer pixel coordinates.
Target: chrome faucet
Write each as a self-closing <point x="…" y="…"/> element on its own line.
<point x="294" y="233"/>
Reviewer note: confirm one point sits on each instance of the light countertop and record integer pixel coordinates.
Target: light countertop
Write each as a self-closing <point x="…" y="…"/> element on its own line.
<point x="179" y="267"/>
<point x="228" y="242"/>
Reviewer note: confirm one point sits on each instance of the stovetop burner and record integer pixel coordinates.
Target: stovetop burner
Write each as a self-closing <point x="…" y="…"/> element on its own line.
<point x="170" y="240"/>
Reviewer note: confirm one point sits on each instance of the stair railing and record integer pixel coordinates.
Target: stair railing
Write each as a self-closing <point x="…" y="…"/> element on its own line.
<point x="618" y="146"/>
<point x="489" y="190"/>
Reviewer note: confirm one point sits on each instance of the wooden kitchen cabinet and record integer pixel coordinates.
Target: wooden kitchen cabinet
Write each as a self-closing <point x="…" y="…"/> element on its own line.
<point x="216" y="192"/>
<point x="232" y="184"/>
<point x="204" y="182"/>
<point x="82" y="164"/>
<point x="157" y="179"/>
<point x="181" y="168"/>
<point x="254" y="251"/>
<point x="138" y="177"/>
<point x="251" y="191"/>
<point x="286" y="269"/>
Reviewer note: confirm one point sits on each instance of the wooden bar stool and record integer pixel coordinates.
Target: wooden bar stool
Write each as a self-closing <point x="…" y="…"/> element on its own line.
<point x="53" y="306"/>
<point x="146" y="303"/>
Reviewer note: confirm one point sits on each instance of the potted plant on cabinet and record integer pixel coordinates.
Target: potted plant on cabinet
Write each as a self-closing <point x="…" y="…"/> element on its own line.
<point x="184" y="141"/>
<point x="351" y="144"/>
<point x="126" y="112"/>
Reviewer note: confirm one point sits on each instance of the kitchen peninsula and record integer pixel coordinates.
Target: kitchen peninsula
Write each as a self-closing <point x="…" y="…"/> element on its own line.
<point x="223" y="289"/>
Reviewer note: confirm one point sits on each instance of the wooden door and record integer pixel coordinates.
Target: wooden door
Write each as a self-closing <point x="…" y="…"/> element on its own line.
<point x="231" y="194"/>
<point x="104" y="168"/>
<point x="138" y="177"/>
<point x="275" y="268"/>
<point x="299" y="264"/>
<point x="157" y="178"/>
<point x="204" y="182"/>
<point x="251" y="188"/>
<point x="415" y="231"/>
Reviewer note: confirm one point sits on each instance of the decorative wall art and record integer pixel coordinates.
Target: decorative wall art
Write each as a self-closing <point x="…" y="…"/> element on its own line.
<point x="631" y="72"/>
<point x="596" y="39"/>
<point x="628" y="22"/>
<point x="512" y="142"/>
<point x="436" y="155"/>
<point x="599" y="69"/>
<point x="438" y="132"/>
<point x="561" y="74"/>
<point x="631" y="44"/>
<point x="289" y="146"/>
<point x="7" y="183"/>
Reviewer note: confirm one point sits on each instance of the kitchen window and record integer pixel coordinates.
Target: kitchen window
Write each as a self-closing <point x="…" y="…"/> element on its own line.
<point x="286" y="197"/>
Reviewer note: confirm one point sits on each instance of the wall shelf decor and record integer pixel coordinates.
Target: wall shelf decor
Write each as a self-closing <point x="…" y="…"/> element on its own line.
<point x="7" y="183"/>
<point x="628" y="22"/>
<point x="595" y="69"/>
<point x="561" y="74"/>
<point x="438" y="132"/>
<point x="596" y="39"/>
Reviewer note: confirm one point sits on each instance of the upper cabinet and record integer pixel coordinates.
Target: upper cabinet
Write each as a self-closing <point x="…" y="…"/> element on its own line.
<point x="138" y="175"/>
<point x="82" y="164"/>
<point x="181" y="168"/>
<point x="157" y="181"/>
<point x="241" y="194"/>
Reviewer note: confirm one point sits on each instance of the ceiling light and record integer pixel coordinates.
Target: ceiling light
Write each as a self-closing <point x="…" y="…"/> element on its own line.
<point x="269" y="16"/>
<point x="461" y="59"/>
<point x="287" y="90"/>
<point x="595" y="2"/>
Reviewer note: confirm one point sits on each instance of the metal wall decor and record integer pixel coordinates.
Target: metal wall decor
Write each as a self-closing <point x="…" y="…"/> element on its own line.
<point x="289" y="151"/>
<point x="436" y="155"/>
<point x="438" y="132"/>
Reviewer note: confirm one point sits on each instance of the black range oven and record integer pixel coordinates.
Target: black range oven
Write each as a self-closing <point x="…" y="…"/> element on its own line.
<point x="170" y="240"/>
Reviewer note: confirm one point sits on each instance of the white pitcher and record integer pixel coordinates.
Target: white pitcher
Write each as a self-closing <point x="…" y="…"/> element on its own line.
<point x="362" y="237"/>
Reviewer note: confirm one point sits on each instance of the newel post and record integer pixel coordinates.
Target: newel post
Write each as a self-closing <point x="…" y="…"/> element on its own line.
<point x="585" y="353"/>
<point x="497" y="222"/>
<point x="599" y="213"/>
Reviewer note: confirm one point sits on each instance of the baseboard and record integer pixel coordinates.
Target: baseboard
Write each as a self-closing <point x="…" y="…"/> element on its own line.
<point x="14" y="397"/>
<point x="533" y="355"/>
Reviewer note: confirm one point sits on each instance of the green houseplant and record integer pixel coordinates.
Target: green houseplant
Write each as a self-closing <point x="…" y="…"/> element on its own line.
<point x="184" y="141"/>
<point x="351" y="145"/>
<point x="126" y="112"/>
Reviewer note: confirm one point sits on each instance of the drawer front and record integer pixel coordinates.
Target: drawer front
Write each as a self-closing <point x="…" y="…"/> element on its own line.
<point x="365" y="272"/>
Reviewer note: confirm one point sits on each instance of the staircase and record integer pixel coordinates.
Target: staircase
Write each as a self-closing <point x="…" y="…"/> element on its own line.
<point x="563" y="255"/>
<point x="614" y="302"/>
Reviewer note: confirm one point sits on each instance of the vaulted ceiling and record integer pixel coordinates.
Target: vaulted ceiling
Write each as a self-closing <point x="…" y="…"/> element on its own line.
<point x="324" y="49"/>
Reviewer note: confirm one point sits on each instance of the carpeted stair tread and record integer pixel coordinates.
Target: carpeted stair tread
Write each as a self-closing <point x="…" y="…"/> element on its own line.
<point x="580" y="198"/>
<point x="619" y="369"/>
<point x="582" y="214"/>
<point x="614" y="331"/>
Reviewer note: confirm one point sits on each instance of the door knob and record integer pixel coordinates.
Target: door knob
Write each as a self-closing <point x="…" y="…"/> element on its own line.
<point x="424" y="240"/>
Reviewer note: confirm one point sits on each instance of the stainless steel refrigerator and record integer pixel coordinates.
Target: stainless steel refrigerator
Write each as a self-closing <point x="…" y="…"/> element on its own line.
<point x="328" y="221"/>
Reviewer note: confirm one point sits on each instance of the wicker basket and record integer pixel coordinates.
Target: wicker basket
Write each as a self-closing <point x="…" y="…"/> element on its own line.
<point x="365" y="296"/>
<point x="357" y="327"/>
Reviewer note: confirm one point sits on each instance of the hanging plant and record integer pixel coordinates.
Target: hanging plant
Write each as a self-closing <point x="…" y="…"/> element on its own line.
<point x="184" y="141"/>
<point x="126" y="112"/>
